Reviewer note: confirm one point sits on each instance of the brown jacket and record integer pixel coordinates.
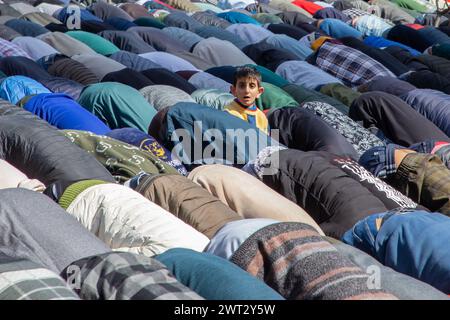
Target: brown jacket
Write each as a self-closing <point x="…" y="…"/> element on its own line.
<point x="187" y="201"/>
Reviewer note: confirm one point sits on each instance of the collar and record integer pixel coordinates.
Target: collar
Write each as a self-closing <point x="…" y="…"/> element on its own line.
<point x="250" y="108"/>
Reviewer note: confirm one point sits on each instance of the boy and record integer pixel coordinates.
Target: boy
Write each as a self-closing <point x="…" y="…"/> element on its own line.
<point x="246" y="88"/>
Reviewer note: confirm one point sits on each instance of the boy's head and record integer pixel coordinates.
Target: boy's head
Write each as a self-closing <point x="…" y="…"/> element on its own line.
<point x="247" y="85"/>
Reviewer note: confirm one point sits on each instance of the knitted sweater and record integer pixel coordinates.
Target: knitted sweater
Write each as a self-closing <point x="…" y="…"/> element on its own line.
<point x="296" y="261"/>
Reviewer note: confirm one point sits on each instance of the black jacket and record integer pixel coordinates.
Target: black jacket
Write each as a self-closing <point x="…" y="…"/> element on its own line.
<point x="332" y="198"/>
<point x="41" y="152"/>
<point x="267" y="55"/>
<point x="303" y="130"/>
<point x="379" y="55"/>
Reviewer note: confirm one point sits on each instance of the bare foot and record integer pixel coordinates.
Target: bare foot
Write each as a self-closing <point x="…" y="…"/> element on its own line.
<point x="400" y="154"/>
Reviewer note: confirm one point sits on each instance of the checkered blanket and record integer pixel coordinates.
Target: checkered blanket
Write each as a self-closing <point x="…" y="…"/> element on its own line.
<point x="25" y="280"/>
<point x="349" y="65"/>
<point x="124" y="276"/>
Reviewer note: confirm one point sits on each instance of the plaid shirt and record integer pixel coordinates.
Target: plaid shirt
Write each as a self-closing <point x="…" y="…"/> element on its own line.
<point x="370" y="25"/>
<point x="390" y="167"/>
<point x="349" y="65"/>
<point x="380" y="161"/>
<point x="125" y="276"/>
<point x="8" y="49"/>
<point x="353" y="13"/>
<point x="24" y="280"/>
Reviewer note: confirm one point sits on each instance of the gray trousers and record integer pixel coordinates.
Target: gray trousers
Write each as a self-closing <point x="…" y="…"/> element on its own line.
<point x="34" y="228"/>
<point x="402" y="285"/>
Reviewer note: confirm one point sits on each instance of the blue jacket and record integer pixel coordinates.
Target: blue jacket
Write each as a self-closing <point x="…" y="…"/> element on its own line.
<point x="85" y="15"/>
<point x="61" y="111"/>
<point x="226" y="281"/>
<point x="380" y="42"/>
<point x="337" y="29"/>
<point x="237" y="17"/>
<point x="15" y="88"/>
<point x="183" y="117"/>
<point x="415" y="243"/>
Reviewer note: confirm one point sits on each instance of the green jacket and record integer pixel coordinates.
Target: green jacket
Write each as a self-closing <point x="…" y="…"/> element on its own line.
<point x="117" y="105"/>
<point x="95" y="42"/>
<point x="274" y="97"/>
<point x="123" y="160"/>
<point x="301" y="95"/>
<point x="340" y="92"/>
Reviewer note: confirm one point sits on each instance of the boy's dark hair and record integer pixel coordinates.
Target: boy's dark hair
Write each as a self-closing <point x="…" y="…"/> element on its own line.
<point x="247" y="72"/>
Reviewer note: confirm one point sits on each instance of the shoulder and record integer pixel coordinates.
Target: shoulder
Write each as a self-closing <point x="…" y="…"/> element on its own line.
<point x="234" y="106"/>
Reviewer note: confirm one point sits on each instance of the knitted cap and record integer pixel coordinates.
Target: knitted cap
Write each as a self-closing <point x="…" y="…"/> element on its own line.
<point x="75" y="189"/>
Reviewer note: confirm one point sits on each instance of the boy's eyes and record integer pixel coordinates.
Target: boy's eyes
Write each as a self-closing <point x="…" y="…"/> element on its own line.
<point x="243" y="85"/>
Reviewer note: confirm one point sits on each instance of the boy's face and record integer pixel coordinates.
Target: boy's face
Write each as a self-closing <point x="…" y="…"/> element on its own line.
<point x="247" y="90"/>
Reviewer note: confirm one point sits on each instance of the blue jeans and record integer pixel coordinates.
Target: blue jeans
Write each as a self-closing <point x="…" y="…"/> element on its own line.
<point x="364" y="232"/>
<point x="380" y="161"/>
<point x="374" y="161"/>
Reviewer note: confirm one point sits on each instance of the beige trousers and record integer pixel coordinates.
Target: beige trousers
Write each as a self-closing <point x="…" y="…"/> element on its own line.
<point x="248" y="196"/>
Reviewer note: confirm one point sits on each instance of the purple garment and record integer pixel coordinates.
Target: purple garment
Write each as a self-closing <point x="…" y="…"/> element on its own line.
<point x="331" y="13"/>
